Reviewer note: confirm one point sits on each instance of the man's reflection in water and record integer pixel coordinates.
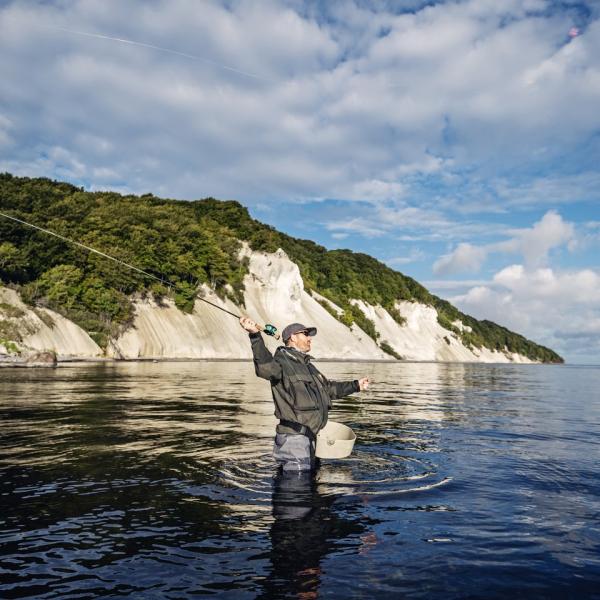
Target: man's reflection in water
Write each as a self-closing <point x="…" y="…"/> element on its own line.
<point x="305" y="530"/>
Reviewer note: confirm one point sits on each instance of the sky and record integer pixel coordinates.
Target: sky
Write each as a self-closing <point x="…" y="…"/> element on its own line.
<point x="457" y="142"/>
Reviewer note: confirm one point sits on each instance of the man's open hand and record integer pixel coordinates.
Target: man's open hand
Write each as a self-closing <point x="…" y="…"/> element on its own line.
<point x="363" y="383"/>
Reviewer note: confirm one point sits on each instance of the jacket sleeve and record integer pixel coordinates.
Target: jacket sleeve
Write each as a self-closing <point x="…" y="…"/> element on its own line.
<point x="264" y="364"/>
<point x="340" y="389"/>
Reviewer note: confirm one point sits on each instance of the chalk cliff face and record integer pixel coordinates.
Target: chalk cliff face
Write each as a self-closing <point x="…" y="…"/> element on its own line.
<point x="274" y="293"/>
<point x="41" y="329"/>
<point x="423" y="338"/>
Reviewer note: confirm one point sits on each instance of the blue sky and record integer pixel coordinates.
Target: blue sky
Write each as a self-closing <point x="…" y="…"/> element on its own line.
<point x="459" y="142"/>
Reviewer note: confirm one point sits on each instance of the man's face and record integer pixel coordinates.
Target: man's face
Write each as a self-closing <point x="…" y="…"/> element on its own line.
<point x="300" y="341"/>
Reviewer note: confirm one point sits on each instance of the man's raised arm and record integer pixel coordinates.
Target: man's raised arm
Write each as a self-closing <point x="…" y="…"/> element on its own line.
<point x="264" y="365"/>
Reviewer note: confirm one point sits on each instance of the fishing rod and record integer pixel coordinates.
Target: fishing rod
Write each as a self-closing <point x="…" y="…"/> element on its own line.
<point x="268" y="328"/>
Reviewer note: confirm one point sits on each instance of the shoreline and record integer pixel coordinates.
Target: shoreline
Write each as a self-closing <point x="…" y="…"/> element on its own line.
<point x="116" y="361"/>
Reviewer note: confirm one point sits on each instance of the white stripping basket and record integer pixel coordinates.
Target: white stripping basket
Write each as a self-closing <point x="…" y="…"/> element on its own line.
<point x="335" y="441"/>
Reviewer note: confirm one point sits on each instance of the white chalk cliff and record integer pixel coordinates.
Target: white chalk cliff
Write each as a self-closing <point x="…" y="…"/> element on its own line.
<point x="42" y="329"/>
<point x="274" y="293"/>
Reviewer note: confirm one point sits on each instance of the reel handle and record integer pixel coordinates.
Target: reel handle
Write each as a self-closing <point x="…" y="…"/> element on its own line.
<point x="270" y="330"/>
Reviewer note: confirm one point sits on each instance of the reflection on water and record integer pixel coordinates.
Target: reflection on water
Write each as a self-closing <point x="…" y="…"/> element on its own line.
<point x="305" y="529"/>
<point x="155" y="480"/>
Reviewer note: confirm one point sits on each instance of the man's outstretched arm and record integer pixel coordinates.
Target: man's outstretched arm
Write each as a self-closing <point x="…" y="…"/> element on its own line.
<point x="340" y="389"/>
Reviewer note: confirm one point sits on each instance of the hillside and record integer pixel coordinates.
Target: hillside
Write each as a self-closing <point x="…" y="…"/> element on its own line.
<point x="191" y="244"/>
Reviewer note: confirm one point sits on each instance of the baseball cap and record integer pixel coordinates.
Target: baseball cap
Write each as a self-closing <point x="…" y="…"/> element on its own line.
<point x="293" y="328"/>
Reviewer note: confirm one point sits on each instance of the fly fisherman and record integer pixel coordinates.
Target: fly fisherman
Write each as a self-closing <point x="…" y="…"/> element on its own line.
<point x="302" y="395"/>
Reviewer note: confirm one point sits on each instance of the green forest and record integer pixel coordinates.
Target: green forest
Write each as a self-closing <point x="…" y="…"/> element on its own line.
<point x="185" y="243"/>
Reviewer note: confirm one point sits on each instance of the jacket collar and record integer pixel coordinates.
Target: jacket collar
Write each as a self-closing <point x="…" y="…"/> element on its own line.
<point x="295" y="354"/>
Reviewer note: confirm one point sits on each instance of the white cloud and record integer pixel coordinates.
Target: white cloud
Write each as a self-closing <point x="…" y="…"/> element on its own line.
<point x="555" y="308"/>
<point x="414" y="255"/>
<point x="404" y="223"/>
<point x="551" y="189"/>
<point x="375" y="189"/>
<point x="464" y="258"/>
<point x="576" y="287"/>
<point x="456" y="286"/>
<point x="356" y="225"/>
<point x="534" y="244"/>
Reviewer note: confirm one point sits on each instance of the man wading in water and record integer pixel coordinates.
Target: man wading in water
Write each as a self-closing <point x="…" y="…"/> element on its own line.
<point x="302" y="395"/>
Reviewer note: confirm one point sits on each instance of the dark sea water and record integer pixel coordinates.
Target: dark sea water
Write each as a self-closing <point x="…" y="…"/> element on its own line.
<point x="155" y="480"/>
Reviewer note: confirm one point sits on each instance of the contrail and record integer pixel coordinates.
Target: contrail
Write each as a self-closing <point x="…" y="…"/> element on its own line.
<point x="161" y="49"/>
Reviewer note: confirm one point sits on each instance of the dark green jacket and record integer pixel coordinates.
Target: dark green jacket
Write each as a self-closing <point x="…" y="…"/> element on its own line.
<point x="300" y="392"/>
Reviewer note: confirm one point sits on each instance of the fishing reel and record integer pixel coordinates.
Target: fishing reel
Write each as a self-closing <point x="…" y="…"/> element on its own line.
<point x="271" y="330"/>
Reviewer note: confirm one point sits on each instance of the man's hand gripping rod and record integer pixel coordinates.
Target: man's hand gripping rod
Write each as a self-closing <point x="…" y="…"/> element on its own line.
<point x="251" y="327"/>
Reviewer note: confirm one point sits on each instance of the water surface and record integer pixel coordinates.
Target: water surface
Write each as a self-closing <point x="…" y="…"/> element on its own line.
<point x="155" y="480"/>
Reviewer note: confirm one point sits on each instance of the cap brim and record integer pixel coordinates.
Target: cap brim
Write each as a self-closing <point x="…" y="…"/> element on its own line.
<point x="311" y="331"/>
